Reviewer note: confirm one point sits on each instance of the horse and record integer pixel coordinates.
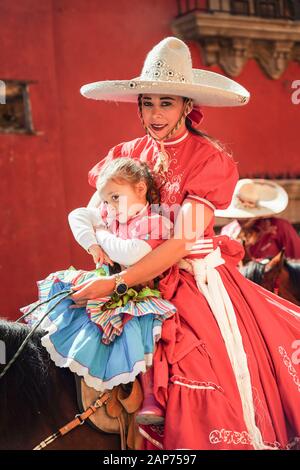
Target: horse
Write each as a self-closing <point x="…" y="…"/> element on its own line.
<point x="37" y="398"/>
<point x="279" y="274"/>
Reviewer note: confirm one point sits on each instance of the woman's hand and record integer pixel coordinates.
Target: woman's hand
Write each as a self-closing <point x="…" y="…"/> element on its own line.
<point x="101" y="287"/>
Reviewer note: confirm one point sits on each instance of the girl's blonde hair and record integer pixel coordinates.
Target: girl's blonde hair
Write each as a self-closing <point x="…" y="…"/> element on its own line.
<point x="125" y="169"/>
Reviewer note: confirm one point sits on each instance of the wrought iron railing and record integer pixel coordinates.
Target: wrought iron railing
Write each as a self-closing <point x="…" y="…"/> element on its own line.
<point x="278" y="9"/>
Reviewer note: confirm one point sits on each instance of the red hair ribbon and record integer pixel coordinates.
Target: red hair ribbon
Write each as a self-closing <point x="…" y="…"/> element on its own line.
<point x="195" y="116"/>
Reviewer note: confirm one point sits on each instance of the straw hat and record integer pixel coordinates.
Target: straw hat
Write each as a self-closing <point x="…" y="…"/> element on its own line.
<point x="168" y="70"/>
<point x="255" y="198"/>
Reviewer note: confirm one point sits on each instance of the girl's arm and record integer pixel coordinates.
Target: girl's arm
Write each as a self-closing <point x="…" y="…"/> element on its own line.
<point x="83" y="222"/>
<point x="191" y="222"/>
<point x="125" y="252"/>
<point x="95" y="200"/>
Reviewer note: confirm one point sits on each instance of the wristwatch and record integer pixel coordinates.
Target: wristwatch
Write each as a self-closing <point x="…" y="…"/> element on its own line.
<point x="121" y="287"/>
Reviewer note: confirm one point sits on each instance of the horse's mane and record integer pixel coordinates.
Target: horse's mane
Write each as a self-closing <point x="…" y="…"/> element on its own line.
<point x="293" y="267"/>
<point x="27" y="387"/>
<point x="254" y="271"/>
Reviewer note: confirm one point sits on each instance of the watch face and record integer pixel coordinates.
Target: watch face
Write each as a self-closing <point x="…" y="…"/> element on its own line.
<point x="122" y="289"/>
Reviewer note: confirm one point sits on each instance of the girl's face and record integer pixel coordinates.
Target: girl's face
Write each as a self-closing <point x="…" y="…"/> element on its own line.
<point x="161" y="113"/>
<point x="124" y="199"/>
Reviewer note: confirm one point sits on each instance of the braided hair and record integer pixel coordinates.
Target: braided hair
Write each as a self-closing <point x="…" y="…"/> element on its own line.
<point x="153" y="194"/>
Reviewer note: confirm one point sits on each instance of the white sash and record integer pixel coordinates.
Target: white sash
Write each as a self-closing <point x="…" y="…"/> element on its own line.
<point x="210" y="284"/>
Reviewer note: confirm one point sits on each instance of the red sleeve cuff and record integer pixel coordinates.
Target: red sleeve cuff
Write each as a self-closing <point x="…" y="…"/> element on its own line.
<point x="202" y="200"/>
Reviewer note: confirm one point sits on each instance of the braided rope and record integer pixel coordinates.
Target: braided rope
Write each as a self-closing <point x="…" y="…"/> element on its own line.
<point x="64" y="294"/>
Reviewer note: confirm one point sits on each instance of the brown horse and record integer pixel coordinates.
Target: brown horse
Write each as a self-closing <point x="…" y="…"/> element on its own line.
<point x="37" y="398"/>
<point x="279" y="274"/>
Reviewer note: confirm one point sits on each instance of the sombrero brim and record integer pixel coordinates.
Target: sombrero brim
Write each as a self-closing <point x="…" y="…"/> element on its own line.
<point x="207" y="89"/>
<point x="264" y="209"/>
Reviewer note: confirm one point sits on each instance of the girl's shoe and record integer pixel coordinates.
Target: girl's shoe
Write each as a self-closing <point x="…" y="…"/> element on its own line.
<point x="151" y="411"/>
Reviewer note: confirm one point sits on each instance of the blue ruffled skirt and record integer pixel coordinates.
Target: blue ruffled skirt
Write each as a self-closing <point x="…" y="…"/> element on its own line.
<point x="74" y="340"/>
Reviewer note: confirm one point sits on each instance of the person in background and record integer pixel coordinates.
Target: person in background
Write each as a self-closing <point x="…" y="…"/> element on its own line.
<point x="254" y="204"/>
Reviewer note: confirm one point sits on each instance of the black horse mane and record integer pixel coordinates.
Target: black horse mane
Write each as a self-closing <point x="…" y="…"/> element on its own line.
<point x="27" y="387"/>
<point x="293" y="267"/>
<point x="254" y="270"/>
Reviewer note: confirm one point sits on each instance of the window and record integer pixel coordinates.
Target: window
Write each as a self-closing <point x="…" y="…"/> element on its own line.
<point x="268" y="8"/>
<point x="240" y="7"/>
<point x="15" y="112"/>
<point x="284" y="9"/>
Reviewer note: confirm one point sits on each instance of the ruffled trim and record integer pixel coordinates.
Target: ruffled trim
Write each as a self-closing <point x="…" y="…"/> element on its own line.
<point x="70" y="276"/>
<point x="83" y="371"/>
<point x="111" y="321"/>
<point x="194" y="384"/>
<point x="63" y="280"/>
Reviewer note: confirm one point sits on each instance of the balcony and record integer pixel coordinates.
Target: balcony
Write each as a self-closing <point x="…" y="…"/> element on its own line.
<point x="231" y="32"/>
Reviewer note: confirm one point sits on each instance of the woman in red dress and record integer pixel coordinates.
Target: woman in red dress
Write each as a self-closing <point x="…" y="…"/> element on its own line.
<point x="226" y="370"/>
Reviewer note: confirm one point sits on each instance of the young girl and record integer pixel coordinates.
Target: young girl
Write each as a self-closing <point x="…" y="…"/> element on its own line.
<point x="112" y="340"/>
<point x="227" y="368"/>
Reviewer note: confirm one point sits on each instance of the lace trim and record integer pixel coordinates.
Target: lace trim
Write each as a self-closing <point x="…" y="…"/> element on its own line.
<point x="293" y="444"/>
<point x="291" y="369"/>
<point x="178" y="380"/>
<point x="236" y="438"/>
<point x="83" y="371"/>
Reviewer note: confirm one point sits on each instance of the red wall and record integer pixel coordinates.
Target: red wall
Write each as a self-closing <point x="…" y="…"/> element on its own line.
<point x="62" y="45"/>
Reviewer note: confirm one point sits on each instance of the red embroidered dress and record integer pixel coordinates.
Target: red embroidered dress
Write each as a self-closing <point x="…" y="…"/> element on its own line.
<point x="227" y="367"/>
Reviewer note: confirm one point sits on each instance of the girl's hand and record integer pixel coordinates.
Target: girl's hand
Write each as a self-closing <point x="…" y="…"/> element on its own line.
<point x="101" y="287"/>
<point x="99" y="255"/>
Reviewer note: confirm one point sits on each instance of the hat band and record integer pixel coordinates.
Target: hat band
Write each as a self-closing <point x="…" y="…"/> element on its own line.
<point x="244" y="204"/>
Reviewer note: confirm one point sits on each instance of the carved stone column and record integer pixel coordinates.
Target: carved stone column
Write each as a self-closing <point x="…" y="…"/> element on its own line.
<point x="274" y="57"/>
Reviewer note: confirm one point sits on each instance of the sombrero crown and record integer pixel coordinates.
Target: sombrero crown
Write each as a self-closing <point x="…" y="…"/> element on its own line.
<point x="168" y="69"/>
<point x="255" y="198"/>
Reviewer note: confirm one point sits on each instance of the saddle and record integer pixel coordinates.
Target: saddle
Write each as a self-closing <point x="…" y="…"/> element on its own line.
<point x="117" y="416"/>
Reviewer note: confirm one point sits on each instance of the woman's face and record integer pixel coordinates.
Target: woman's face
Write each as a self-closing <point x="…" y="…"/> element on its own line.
<point x="161" y="113"/>
<point x="124" y="200"/>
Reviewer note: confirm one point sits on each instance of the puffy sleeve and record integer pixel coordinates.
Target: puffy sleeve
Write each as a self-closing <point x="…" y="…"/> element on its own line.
<point x="115" y="152"/>
<point x="153" y="229"/>
<point x="212" y="182"/>
<point x="145" y="235"/>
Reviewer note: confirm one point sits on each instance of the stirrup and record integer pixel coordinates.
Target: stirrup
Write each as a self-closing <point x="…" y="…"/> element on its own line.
<point x="150" y="415"/>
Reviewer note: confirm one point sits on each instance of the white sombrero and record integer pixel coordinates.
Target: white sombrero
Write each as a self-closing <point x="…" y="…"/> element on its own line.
<point x="168" y="70"/>
<point x="255" y="198"/>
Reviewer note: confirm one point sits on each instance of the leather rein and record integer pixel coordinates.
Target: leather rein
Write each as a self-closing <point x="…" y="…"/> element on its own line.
<point x="78" y="420"/>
